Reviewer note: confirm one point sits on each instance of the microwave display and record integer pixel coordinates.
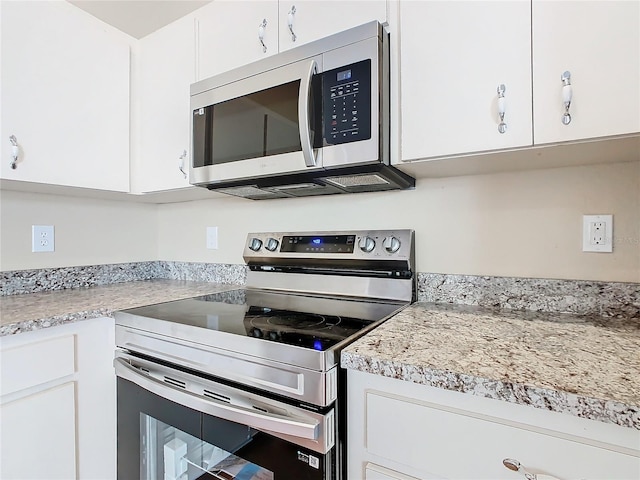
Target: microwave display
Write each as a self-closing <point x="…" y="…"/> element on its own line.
<point x="347" y="103"/>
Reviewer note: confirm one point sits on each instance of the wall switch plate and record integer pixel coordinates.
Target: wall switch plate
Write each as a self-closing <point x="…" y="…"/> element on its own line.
<point x="212" y="238"/>
<point x="42" y="238"/>
<point x="597" y="233"/>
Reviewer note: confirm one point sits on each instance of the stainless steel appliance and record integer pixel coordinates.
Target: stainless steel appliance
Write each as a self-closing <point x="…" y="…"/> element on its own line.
<point x="313" y="120"/>
<point x="246" y="384"/>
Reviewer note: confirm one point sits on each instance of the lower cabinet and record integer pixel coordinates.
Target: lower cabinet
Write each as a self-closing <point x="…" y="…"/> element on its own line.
<point x="403" y="431"/>
<point x="57" y="403"/>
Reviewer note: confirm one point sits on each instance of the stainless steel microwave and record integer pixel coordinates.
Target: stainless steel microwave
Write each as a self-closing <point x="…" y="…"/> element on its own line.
<point x="313" y="120"/>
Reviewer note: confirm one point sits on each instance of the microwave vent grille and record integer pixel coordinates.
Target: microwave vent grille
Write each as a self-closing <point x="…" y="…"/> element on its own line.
<point x="350" y="181"/>
<point x="251" y="191"/>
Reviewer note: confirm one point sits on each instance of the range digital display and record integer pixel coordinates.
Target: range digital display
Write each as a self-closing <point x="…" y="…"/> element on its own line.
<point x="318" y="243"/>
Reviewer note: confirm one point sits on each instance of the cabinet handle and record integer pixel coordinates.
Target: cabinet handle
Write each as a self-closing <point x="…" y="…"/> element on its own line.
<point x="290" y="18"/>
<point x="567" y="93"/>
<point x="502" y="127"/>
<point x="261" y="32"/>
<point x="181" y="163"/>
<point x="516" y="466"/>
<point x="15" y="152"/>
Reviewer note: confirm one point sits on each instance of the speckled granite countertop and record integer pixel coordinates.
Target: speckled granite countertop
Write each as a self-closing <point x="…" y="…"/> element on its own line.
<point x="20" y="313"/>
<point x="585" y="366"/>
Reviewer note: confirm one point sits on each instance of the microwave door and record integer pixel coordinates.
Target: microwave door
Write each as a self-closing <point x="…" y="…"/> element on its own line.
<point x="261" y="125"/>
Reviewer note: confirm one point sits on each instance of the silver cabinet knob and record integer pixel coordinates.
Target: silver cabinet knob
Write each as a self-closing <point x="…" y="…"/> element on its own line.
<point x="516" y="466"/>
<point x="255" y="244"/>
<point x="271" y="244"/>
<point x="391" y="244"/>
<point x="367" y="244"/>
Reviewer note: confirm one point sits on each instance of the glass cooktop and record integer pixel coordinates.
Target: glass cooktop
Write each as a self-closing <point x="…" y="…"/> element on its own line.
<point x="306" y="321"/>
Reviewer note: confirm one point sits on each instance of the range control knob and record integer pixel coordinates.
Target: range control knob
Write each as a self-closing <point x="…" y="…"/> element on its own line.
<point x="391" y="244"/>
<point x="255" y="244"/>
<point x="367" y="244"/>
<point x="271" y="244"/>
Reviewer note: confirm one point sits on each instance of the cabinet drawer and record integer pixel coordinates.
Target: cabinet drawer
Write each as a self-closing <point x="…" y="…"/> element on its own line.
<point x="455" y="444"/>
<point x="36" y="363"/>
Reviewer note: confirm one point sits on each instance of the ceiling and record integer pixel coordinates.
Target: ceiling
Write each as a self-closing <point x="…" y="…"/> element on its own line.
<point x="139" y="18"/>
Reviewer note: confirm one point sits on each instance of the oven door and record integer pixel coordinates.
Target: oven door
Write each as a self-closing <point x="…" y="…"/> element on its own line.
<point x="261" y="125"/>
<point x="175" y="425"/>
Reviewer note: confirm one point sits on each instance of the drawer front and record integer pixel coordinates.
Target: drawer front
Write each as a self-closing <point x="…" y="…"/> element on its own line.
<point x="375" y="472"/>
<point x="455" y="444"/>
<point x="36" y="363"/>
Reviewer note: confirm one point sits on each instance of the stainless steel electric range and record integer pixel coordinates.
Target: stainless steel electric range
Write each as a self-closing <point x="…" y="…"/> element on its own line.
<point x="246" y="384"/>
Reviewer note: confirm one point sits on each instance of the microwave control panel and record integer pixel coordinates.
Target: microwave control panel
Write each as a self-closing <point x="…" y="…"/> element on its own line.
<point x="346" y="93"/>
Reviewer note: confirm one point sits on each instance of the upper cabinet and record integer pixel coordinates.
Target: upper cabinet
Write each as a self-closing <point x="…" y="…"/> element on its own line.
<point x="65" y="97"/>
<point x="303" y="21"/>
<point x="454" y="57"/>
<point x="167" y="69"/>
<point x="231" y="34"/>
<point x="598" y="44"/>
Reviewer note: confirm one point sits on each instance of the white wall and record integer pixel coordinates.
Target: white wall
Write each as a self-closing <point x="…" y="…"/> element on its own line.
<point x="524" y="224"/>
<point x="87" y="231"/>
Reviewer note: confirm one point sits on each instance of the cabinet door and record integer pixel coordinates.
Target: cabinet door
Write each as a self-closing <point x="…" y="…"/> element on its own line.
<point x="228" y="34"/>
<point x="598" y="42"/>
<point x="65" y="97"/>
<point x="453" y="57"/>
<point x="167" y="69"/>
<point x="38" y="435"/>
<point x="314" y="19"/>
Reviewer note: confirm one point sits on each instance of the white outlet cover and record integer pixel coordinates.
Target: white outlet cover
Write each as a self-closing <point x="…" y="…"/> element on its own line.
<point x="212" y="238"/>
<point x="43" y="238"/>
<point x="595" y="227"/>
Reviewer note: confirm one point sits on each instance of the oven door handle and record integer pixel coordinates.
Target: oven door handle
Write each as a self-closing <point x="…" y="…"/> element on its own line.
<point x="280" y="424"/>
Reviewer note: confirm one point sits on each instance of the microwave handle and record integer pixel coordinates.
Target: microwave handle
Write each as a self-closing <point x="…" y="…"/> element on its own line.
<point x="304" y="115"/>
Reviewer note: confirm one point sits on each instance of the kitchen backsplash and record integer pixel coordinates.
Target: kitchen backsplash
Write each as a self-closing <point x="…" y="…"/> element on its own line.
<point x="581" y="297"/>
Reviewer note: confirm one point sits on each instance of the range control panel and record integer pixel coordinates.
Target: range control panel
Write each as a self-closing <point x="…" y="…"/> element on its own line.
<point x="365" y="244"/>
<point x="346" y="93"/>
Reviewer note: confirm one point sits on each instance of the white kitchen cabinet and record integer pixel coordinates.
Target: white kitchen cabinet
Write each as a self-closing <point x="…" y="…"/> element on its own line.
<point x="65" y="97"/>
<point x="57" y="402"/>
<point x="167" y="70"/>
<point x="598" y="42"/>
<point x="453" y="57"/>
<point x="227" y="34"/>
<point x="315" y="19"/>
<point x="401" y="430"/>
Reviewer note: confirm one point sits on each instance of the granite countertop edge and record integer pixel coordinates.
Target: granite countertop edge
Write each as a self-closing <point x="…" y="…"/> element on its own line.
<point x="30" y="312"/>
<point x="53" y="321"/>
<point x="373" y="354"/>
<point x="608" y="411"/>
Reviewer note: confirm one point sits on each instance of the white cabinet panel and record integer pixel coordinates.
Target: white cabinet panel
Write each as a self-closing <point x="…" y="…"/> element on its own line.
<point x="65" y="97"/>
<point x="39" y="362"/>
<point x="39" y="436"/>
<point x="58" y="402"/>
<point x="455" y="444"/>
<point x="227" y="33"/>
<point x="167" y="70"/>
<point x="598" y="42"/>
<point x="453" y="57"/>
<point x="398" y="429"/>
<point x="315" y="19"/>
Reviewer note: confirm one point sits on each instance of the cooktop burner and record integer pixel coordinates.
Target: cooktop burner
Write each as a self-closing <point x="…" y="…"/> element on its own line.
<point x="305" y="321"/>
<point x="310" y="330"/>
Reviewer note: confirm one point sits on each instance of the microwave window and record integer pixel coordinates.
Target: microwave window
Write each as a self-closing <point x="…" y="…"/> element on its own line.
<point x="256" y="125"/>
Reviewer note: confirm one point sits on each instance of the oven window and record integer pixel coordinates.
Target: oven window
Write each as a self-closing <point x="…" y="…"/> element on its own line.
<point x="168" y="453"/>
<point x="256" y="125"/>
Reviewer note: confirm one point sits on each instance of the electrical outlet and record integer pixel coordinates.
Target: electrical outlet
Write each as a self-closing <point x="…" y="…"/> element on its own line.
<point x="597" y="233"/>
<point x="42" y="238"/>
<point x="212" y="238"/>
